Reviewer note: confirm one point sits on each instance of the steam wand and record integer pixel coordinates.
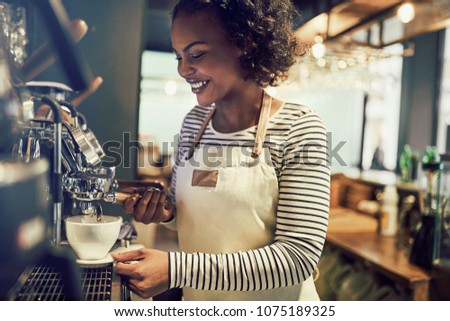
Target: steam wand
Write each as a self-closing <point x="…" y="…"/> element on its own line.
<point x="74" y="115"/>
<point x="57" y="170"/>
<point x="73" y="111"/>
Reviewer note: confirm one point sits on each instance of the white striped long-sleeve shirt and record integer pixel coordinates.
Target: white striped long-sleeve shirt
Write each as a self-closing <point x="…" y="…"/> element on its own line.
<point x="297" y="140"/>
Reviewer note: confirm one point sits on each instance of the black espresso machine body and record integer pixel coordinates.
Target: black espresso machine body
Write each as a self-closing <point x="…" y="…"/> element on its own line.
<point x="25" y="217"/>
<point x="24" y="187"/>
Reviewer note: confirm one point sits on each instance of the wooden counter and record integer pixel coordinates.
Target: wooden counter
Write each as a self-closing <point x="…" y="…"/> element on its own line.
<point x="355" y="235"/>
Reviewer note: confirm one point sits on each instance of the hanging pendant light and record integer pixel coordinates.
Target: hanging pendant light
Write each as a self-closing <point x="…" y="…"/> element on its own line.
<point x="318" y="49"/>
<point x="406" y="12"/>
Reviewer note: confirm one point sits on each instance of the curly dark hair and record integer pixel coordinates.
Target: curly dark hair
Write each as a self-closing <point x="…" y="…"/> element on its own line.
<point x="262" y="29"/>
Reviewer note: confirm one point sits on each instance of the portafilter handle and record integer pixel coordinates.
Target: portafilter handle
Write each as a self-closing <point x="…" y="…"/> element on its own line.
<point x="119" y="197"/>
<point x="138" y="188"/>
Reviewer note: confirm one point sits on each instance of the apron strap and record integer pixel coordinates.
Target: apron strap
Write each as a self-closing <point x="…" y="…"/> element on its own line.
<point x="200" y="133"/>
<point x="262" y="125"/>
<point x="260" y="132"/>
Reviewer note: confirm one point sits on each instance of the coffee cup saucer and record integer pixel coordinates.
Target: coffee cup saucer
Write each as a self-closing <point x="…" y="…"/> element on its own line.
<point x="107" y="259"/>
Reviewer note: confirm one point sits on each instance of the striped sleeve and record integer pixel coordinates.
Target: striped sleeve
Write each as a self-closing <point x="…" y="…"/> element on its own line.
<point x="301" y="222"/>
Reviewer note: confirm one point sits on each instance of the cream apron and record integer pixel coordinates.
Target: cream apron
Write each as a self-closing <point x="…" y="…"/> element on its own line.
<point x="226" y="201"/>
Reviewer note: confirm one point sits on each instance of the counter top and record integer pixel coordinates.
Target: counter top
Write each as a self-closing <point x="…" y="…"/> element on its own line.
<point x="372" y="176"/>
<point x="356" y="235"/>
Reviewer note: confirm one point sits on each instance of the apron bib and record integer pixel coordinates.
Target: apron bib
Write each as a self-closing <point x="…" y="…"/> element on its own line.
<point x="226" y="199"/>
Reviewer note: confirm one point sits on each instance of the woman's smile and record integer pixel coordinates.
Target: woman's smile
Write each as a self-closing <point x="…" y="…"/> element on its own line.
<point x="198" y="86"/>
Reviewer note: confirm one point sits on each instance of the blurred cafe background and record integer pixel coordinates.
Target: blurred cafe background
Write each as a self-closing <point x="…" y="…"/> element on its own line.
<point x="377" y="72"/>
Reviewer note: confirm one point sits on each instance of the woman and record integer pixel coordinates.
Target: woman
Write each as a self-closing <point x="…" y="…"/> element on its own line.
<point x="250" y="188"/>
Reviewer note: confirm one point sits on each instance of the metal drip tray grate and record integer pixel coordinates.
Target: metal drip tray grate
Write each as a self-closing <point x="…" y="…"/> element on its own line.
<point x="97" y="283"/>
<point x="45" y="283"/>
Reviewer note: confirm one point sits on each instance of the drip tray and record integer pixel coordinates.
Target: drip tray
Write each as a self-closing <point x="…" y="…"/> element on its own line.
<point x="45" y="283"/>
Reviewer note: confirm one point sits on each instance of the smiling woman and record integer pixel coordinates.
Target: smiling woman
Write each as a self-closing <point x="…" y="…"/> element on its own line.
<point x="249" y="194"/>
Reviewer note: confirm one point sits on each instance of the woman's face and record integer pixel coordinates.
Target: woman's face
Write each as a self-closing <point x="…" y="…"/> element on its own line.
<point x="206" y="58"/>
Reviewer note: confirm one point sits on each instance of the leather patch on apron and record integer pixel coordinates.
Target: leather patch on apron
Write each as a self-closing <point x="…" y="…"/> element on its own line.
<point x="204" y="178"/>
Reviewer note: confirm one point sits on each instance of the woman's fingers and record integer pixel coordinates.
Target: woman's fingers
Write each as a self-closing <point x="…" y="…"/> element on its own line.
<point x="159" y="214"/>
<point x="129" y="284"/>
<point x="147" y="274"/>
<point x="141" y="207"/>
<point x="130" y="202"/>
<point x="145" y="209"/>
<point x="152" y="206"/>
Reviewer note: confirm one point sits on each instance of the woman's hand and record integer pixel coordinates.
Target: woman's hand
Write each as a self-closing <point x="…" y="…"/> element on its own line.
<point x="148" y="205"/>
<point x="145" y="271"/>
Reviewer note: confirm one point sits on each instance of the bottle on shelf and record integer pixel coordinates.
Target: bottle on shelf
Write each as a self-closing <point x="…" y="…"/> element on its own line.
<point x="422" y="248"/>
<point x="405" y="164"/>
<point x="430" y="156"/>
<point x="389" y="211"/>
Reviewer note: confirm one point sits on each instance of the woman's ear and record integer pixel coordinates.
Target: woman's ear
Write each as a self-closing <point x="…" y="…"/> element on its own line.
<point x="240" y="52"/>
<point x="246" y="48"/>
<point x="248" y="44"/>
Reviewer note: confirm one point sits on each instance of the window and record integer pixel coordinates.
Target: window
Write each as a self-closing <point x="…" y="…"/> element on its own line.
<point x="443" y="134"/>
<point x="358" y="97"/>
<point x="165" y="99"/>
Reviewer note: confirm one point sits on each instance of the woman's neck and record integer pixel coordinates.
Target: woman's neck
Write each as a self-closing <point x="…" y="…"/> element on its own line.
<point x="238" y="111"/>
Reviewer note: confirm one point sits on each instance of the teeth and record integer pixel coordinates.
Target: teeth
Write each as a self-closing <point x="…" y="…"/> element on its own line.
<point x="198" y="84"/>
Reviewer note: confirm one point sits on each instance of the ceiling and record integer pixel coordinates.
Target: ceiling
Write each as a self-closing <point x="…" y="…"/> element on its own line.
<point x="376" y="19"/>
<point x="334" y="18"/>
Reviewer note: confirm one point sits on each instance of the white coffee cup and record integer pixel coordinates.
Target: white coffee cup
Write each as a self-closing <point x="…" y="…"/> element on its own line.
<point x="92" y="240"/>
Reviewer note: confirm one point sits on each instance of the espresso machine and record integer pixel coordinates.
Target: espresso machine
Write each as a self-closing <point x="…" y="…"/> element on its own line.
<point x="49" y="166"/>
<point x="79" y="182"/>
